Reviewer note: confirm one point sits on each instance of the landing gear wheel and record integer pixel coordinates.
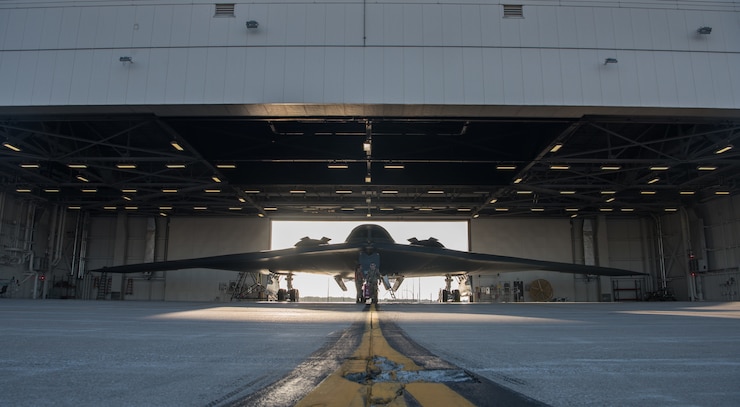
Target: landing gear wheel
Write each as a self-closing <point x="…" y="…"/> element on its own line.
<point x="455" y="295"/>
<point x="293" y="295"/>
<point x="281" y="294"/>
<point x="445" y="295"/>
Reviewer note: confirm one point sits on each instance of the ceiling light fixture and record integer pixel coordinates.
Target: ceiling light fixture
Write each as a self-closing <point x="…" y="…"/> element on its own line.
<point x="659" y="168"/>
<point x="567" y="192"/>
<point x="606" y="209"/>
<point x="368" y="178"/>
<point x="506" y="167"/>
<point x="215" y="178"/>
<point x="560" y="167"/>
<point x="126" y="166"/>
<point x="524" y="192"/>
<point x="571" y="209"/>
<point x="556" y="147"/>
<point x="165" y="208"/>
<point x="611" y="167"/>
<point x="671" y="209"/>
<point x="435" y="191"/>
<point x="608" y="192"/>
<point x="493" y="201"/>
<point x="51" y="190"/>
<point x="169" y="190"/>
<point x="706" y="167"/>
<point x="226" y="166"/>
<point x="10" y="146"/>
<point x="131" y="208"/>
<point x="297" y="191"/>
<point x="30" y="165"/>
<point x="128" y="191"/>
<point x="610" y="200"/>
<point x="654" y="180"/>
<point x="74" y="207"/>
<point x="343" y="191"/>
<point x="23" y="190"/>
<point x="83" y="179"/>
<point x="175" y="166"/>
<point x="501" y="209"/>
<point x="518" y="180"/>
<point x="77" y="166"/>
<point x="724" y="149"/>
<point x="686" y="192"/>
<point x="722" y="192"/>
<point x="176" y="145"/>
<point x="126" y="198"/>
<point x="537" y="209"/>
<point x="627" y="209"/>
<point x="394" y="166"/>
<point x="89" y="190"/>
<point x="389" y="191"/>
<point x="337" y="166"/>
<point x="251" y="191"/>
<point x="212" y="191"/>
<point x="647" y="192"/>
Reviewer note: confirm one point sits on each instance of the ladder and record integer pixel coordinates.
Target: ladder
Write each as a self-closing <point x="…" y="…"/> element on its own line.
<point x="104" y="285"/>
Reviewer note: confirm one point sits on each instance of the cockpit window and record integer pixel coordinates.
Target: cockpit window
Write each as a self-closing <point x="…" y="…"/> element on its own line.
<point x="369" y="233"/>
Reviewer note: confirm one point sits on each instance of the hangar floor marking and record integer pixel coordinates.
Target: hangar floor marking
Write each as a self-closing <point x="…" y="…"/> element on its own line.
<point x="374" y="363"/>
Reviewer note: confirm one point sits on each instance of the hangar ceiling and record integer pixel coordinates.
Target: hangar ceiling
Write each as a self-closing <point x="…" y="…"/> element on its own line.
<point x="314" y="167"/>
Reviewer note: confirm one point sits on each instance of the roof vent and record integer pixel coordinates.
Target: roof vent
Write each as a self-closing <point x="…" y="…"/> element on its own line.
<point x="513" y="11"/>
<point x="224" y="10"/>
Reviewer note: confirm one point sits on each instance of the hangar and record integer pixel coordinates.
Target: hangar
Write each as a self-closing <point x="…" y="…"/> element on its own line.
<point x="597" y="134"/>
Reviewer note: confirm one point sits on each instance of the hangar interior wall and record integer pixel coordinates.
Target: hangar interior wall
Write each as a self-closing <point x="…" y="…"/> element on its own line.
<point x="67" y="53"/>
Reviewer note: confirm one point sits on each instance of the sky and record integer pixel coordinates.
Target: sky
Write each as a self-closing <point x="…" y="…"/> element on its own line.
<point x="453" y="235"/>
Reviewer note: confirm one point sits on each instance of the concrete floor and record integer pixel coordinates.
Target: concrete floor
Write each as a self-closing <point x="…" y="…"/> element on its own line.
<point x="86" y="353"/>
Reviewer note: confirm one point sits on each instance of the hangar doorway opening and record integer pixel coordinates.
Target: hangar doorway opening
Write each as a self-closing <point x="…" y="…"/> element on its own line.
<point x="452" y="234"/>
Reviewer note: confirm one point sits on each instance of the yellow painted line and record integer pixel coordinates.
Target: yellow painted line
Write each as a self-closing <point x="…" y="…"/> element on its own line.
<point x="336" y="391"/>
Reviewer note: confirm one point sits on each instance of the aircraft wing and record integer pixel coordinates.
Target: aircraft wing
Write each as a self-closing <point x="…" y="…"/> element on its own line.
<point x="341" y="259"/>
<point x="423" y="261"/>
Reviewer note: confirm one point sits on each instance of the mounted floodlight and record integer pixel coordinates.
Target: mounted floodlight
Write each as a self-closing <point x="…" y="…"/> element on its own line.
<point x="252" y="25"/>
<point x="610" y="61"/>
<point x="704" y="30"/>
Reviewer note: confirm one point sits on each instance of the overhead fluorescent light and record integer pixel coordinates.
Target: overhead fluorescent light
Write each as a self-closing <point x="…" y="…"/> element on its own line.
<point x="176" y="145"/>
<point x="537" y="209"/>
<point x="506" y="167"/>
<point x="251" y="191"/>
<point x="126" y="198"/>
<point x="212" y="191"/>
<point x="654" y="180"/>
<point x="126" y="166"/>
<point x="175" y="165"/>
<point x="611" y="167"/>
<point x="83" y="179"/>
<point x="556" y="147"/>
<point x="518" y="180"/>
<point x="297" y="191"/>
<point x="110" y="208"/>
<point x="200" y="208"/>
<point x="169" y="190"/>
<point x="128" y="191"/>
<point x="394" y="166"/>
<point x="627" y="209"/>
<point x="571" y="209"/>
<point x="30" y="165"/>
<point x="686" y="192"/>
<point x="51" y="190"/>
<point x="671" y="209"/>
<point x="389" y="191"/>
<point x="10" y="146"/>
<point x="386" y="209"/>
<point x="647" y="192"/>
<point x="706" y="167"/>
<point x="501" y="209"/>
<point x="464" y="209"/>
<point x="74" y="207"/>
<point x="610" y="200"/>
<point x="606" y="209"/>
<point x="724" y="149"/>
<point x="215" y="178"/>
<point x="425" y="209"/>
<point x="165" y="208"/>
<point x="162" y="214"/>
<point x="242" y="200"/>
<point x="523" y="192"/>
<point x="131" y="208"/>
<point x="338" y="166"/>
<point x="23" y="190"/>
<point x="235" y="208"/>
<point x="89" y="190"/>
<point x="77" y="166"/>
<point x="659" y="168"/>
<point x="226" y="166"/>
<point x="608" y="192"/>
<point x="493" y="201"/>
<point x="567" y="192"/>
<point x="722" y="192"/>
<point x="270" y="208"/>
<point x="348" y="209"/>
<point x="560" y="167"/>
<point x="343" y="191"/>
<point x="435" y="191"/>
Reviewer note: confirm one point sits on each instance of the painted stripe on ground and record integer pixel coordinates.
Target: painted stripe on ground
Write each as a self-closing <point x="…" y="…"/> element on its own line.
<point x="377" y="374"/>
